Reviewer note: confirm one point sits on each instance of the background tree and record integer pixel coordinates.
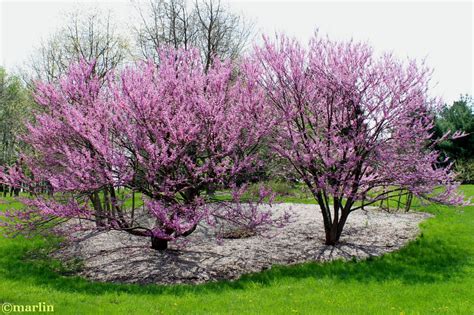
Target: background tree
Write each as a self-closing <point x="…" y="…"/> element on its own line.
<point x="168" y="131"/>
<point x="15" y="109"/>
<point x="355" y="128"/>
<point x="458" y="116"/>
<point x="87" y="35"/>
<point x="207" y="25"/>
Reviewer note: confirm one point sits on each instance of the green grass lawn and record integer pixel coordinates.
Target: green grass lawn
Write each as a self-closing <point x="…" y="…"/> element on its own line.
<point x="432" y="275"/>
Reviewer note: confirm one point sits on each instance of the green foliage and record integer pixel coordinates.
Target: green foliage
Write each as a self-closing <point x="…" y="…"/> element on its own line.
<point x="15" y="108"/>
<point x="432" y="275"/>
<point x="465" y="170"/>
<point x="459" y="116"/>
<point x="280" y="188"/>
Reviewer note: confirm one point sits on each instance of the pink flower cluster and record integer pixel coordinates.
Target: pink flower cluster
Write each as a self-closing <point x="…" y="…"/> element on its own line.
<point x="168" y="131"/>
<point x="354" y="127"/>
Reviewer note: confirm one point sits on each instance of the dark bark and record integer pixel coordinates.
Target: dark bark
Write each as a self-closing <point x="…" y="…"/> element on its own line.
<point x="409" y="201"/>
<point x="333" y="229"/>
<point x="116" y="208"/>
<point x="99" y="211"/>
<point x="188" y="232"/>
<point x="107" y="207"/>
<point x="331" y="236"/>
<point x="158" y="243"/>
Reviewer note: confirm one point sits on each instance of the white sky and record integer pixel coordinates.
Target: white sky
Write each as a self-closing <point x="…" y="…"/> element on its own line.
<point x="440" y="31"/>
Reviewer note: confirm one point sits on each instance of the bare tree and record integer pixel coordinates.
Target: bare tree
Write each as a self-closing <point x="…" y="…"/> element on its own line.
<point x="15" y="109"/>
<point x="205" y="24"/>
<point x="89" y="35"/>
<point x="49" y="61"/>
<point x="221" y="33"/>
<point x="165" y="22"/>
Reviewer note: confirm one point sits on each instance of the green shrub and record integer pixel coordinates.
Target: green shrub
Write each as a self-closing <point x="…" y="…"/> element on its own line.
<point x="278" y="187"/>
<point x="465" y="171"/>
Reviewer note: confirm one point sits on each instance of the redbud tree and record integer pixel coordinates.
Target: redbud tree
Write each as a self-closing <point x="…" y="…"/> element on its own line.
<point x="355" y="127"/>
<point x="168" y="131"/>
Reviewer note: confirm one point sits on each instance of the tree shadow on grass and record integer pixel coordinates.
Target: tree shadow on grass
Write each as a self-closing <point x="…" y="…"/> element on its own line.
<point x="420" y="262"/>
<point x="425" y="260"/>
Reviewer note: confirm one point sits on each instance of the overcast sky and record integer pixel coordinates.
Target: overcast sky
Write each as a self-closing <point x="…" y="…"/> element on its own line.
<point x="441" y="32"/>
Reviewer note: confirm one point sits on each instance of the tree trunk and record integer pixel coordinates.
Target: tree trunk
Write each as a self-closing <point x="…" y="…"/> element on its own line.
<point x="334" y="229"/>
<point x="331" y="235"/>
<point x="98" y="210"/>
<point x="333" y="224"/>
<point x="158" y="243"/>
<point x="116" y="208"/>
<point x="409" y="200"/>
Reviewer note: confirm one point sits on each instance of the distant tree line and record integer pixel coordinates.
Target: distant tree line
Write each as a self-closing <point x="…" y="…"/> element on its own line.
<point x="205" y="24"/>
<point x="458" y="116"/>
<point x="15" y="110"/>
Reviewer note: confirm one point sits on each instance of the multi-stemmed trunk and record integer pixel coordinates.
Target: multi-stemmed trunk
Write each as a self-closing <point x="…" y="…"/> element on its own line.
<point x="108" y="213"/>
<point x="333" y="230"/>
<point x="335" y="220"/>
